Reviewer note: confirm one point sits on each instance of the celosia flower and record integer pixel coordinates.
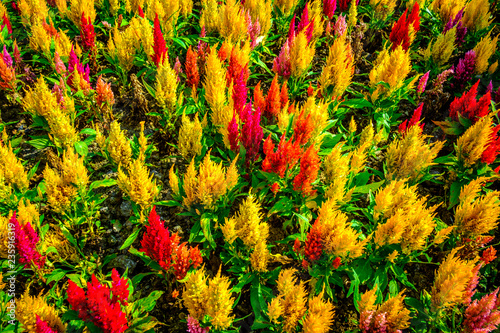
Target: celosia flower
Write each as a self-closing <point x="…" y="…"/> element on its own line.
<point x="119" y="288"/>
<point x="87" y="33"/>
<point x="414" y="120"/>
<point x="483" y="315"/>
<point x="468" y="107"/>
<point x="240" y="92"/>
<point x="313" y="247"/>
<point x="477" y="14"/>
<point x="464" y="70"/>
<point x="457" y="23"/>
<point x="472" y="144"/>
<point x="43" y="326"/>
<point x="157" y="242"/>
<point x="470" y="290"/>
<point x="441" y="78"/>
<point x="191" y="68"/>
<point x="97" y="306"/>
<point x="253" y="29"/>
<point x="484" y="50"/>
<point x="178" y="69"/>
<point x="291" y="299"/>
<point x="7" y="75"/>
<point x="390" y="316"/>
<point x="104" y="94"/>
<point x="6" y="57"/>
<point x="422" y="83"/>
<point x="282" y="64"/>
<point x="159" y="47"/>
<point x="336" y="263"/>
<point x="493" y="147"/>
<point x="251" y="132"/>
<point x="234" y="134"/>
<point x="402" y="33"/>
<point x="451" y="280"/>
<point x="220" y="303"/>
<point x="26" y="240"/>
<point x="59" y="64"/>
<point x="340" y="26"/>
<point x="190" y="135"/>
<point x="139" y="184"/>
<point x="273" y="102"/>
<point x="329" y="7"/>
<point x="6" y="23"/>
<point x="194" y="326"/>
<point x="489" y="255"/>
<point x="319" y="316"/>
<point x="309" y="167"/>
<point x="283" y="159"/>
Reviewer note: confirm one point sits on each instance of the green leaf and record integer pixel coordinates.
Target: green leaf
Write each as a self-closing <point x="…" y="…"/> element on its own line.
<point x="369" y="187"/>
<point x="455" y="193"/>
<point x="207" y="231"/>
<point x="88" y="131"/>
<point x="131" y="239"/>
<point x="56" y="275"/>
<point x="102" y="183"/>
<point x="81" y="148"/>
<point x="147" y="304"/>
<point x="40" y="143"/>
<point x="258" y="305"/>
<point x="169" y="203"/>
<point x="357" y="103"/>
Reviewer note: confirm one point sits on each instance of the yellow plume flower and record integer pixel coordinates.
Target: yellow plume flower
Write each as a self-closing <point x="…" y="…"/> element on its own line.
<point x="195" y="294"/>
<point x="261" y="11"/>
<point x="337" y="236"/>
<point x="249" y="225"/>
<point x="442" y="235"/>
<point x="190" y="185"/>
<point x="33" y="11"/>
<point x="190" y="135"/>
<point x="319" y="317"/>
<point x="65" y="251"/>
<point x="339" y="68"/>
<point x="397" y="316"/>
<point x="215" y="86"/>
<point x="286" y="6"/>
<point x="40" y="39"/>
<point x="391" y="67"/>
<point x="173" y="181"/>
<point x="396" y="195"/>
<point x="229" y="230"/>
<point x="316" y="17"/>
<point x="484" y="50"/>
<point x="78" y="7"/>
<point x="155" y="7"/>
<point x="336" y="174"/>
<point x="116" y="145"/>
<point x="451" y="280"/>
<point x="383" y="8"/>
<point x="73" y="169"/>
<point x="166" y="87"/>
<point x="471" y="145"/>
<point x="27" y="213"/>
<point x="391" y="231"/>
<point x="220" y="303"/>
<point x="392" y="257"/>
<point x="11" y="169"/>
<point x="293" y="299"/>
<point x="138" y="185"/>
<point x="28" y="307"/>
<point x="477" y="215"/>
<point x="318" y="112"/>
<point x="186" y="7"/>
<point x="301" y="54"/>
<point x="493" y="67"/>
<point x="477" y="15"/>
<point x="368" y="300"/>
<point x="4" y="234"/>
<point x="352" y="19"/>
<point x="209" y="15"/>
<point x="121" y="47"/>
<point x="275" y="310"/>
<point x="260" y="257"/>
<point x="62" y="6"/>
<point x="443" y="47"/>
<point x="409" y="157"/>
<point x="447" y="9"/>
<point x="231" y="23"/>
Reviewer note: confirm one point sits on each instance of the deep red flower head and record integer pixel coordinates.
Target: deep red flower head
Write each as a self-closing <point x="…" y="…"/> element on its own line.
<point x="405" y="125"/>
<point x="234" y="134"/>
<point x="468" y="107"/>
<point x="87" y="33"/>
<point x="493" y="148"/>
<point x="119" y="288"/>
<point x="313" y="247"/>
<point x="6" y="22"/>
<point x="336" y="263"/>
<point x="296" y="246"/>
<point x="400" y="34"/>
<point x="159" y="46"/>
<point x="141" y="12"/>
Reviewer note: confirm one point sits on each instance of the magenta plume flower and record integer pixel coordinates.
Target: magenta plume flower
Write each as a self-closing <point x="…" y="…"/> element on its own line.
<point x="251" y="132"/>
<point x="43" y="326"/>
<point x="25" y="240"/>
<point x="461" y="29"/>
<point x="329" y="7"/>
<point x="233" y="134"/>
<point x="464" y="70"/>
<point x="194" y="326"/>
<point x="159" y="46"/>
<point x="6" y="57"/>
<point x="240" y="91"/>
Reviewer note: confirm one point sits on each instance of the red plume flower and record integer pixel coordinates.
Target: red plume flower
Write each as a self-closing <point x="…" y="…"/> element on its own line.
<point x="43" y="326"/>
<point x="309" y="167"/>
<point x="313" y="248"/>
<point x="405" y="125"/>
<point x="493" y="148"/>
<point x="191" y="67"/>
<point x="284" y="158"/>
<point x="159" y="46"/>
<point x="467" y="106"/>
<point x="400" y="34"/>
<point x="87" y="33"/>
<point x="25" y="240"/>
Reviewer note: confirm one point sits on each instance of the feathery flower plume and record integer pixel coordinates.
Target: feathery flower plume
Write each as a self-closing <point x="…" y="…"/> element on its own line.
<point x="97" y="306"/>
<point x="194" y="326"/>
<point x="489" y="255"/>
<point x="340" y="26"/>
<point x="313" y="247"/>
<point x="390" y="316"/>
<point x="190" y="135"/>
<point x="282" y="63"/>
<point x="319" y="316"/>
<point x="451" y="280"/>
<point x="422" y="83"/>
<point x="43" y="326"/>
<point x="464" y="70"/>
<point x="11" y="168"/>
<point x="251" y="132"/>
<point x="215" y="83"/>
<point x="233" y="134"/>
<point x="191" y="68"/>
<point x="404" y="30"/>
<point x="484" y="50"/>
<point x="87" y="33"/>
<point x="476" y="215"/>
<point x="26" y="241"/>
<point x="159" y="47"/>
<point x="329" y="7"/>
<point x="7" y="75"/>
<point x="309" y="167"/>
<point x="301" y="54"/>
<point x="60" y="67"/>
<point x="442" y="48"/>
<point x="34" y="311"/>
<point x="477" y="15"/>
<point x="472" y="144"/>
<point x="493" y="148"/>
<point x="6" y="57"/>
<point x="414" y="120"/>
<point x="457" y="23"/>
<point x="104" y="94"/>
<point x="283" y="159"/>
<point x="240" y="92"/>
<point x="468" y="107"/>
<point x="116" y="145"/>
<point x="6" y="23"/>
<point x="483" y="315"/>
<point x="139" y="186"/>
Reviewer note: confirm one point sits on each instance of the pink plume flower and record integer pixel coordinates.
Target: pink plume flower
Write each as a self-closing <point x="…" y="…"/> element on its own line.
<point x="282" y="64"/>
<point x="6" y="57"/>
<point x="482" y="316"/>
<point x="233" y="134"/>
<point x="178" y="69"/>
<point x="422" y="83"/>
<point x="253" y="29"/>
<point x="59" y="64"/>
<point x="464" y="70"/>
<point x="240" y="91"/>
<point x="340" y="26"/>
<point x="194" y="326"/>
